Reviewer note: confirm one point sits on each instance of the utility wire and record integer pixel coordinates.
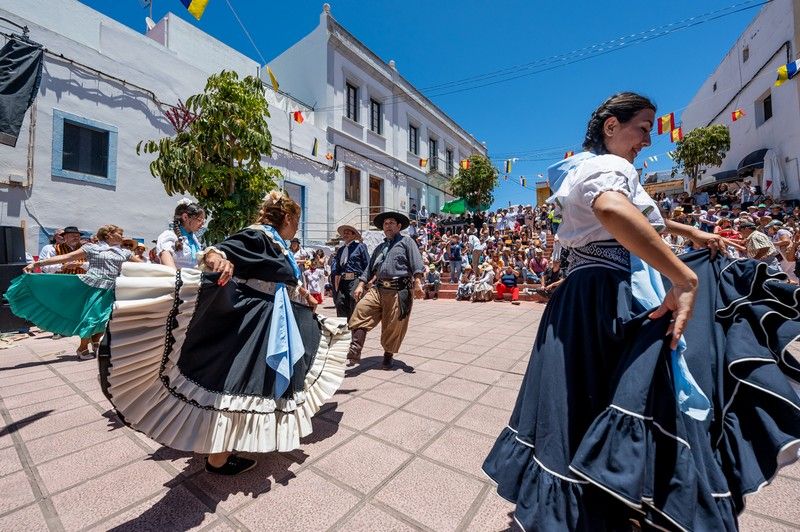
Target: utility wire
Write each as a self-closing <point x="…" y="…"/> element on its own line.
<point x="247" y="33"/>
<point x="572" y="57"/>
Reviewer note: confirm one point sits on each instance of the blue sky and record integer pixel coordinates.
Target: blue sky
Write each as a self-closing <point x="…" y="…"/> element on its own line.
<point x="535" y="117"/>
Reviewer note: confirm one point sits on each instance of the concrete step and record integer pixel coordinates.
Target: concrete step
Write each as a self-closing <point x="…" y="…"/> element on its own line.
<point x="451" y="294"/>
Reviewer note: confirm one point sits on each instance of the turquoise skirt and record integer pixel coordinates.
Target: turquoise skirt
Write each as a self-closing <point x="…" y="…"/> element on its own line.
<point x="61" y="303"/>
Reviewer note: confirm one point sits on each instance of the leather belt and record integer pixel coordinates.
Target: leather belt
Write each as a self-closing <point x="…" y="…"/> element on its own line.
<point x="268" y="287"/>
<point x="348" y="276"/>
<point x="399" y="283"/>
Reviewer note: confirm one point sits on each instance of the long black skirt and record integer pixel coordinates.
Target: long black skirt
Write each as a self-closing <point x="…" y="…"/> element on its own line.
<point x="597" y="440"/>
<point x="187" y="363"/>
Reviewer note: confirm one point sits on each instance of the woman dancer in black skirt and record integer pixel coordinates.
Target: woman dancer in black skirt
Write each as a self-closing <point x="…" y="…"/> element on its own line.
<point x="643" y="407"/>
<point x="240" y="366"/>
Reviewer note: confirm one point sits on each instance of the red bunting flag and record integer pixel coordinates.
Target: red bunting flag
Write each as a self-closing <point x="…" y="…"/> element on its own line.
<point x="569" y="154"/>
<point x="298" y="117"/>
<point x="676" y="134"/>
<point x="737" y="114"/>
<point x="423" y="163"/>
<point x="666" y="123"/>
<point x="329" y="156"/>
<point x="465" y="164"/>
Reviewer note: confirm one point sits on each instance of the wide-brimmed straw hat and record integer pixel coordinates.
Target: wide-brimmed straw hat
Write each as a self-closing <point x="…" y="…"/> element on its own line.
<point x="486" y="266"/>
<point x="341" y="228"/>
<point x="400" y="218"/>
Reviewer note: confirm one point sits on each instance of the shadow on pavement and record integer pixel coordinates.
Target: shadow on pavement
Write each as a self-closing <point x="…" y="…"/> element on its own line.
<point x="14" y="427"/>
<point x="177" y="511"/>
<point x="60" y="358"/>
<point x="373" y="364"/>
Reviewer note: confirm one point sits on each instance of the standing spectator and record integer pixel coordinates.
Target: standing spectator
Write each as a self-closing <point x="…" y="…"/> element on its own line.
<point x="508" y="283"/>
<point x="72" y="242"/>
<point x="454" y="256"/>
<point x="314" y="279"/>
<point x="476" y="247"/>
<point x="140" y="250"/>
<point x="433" y="281"/>
<point x="178" y="247"/>
<point x="301" y="255"/>
<point x="49" y="250"/>
<point x="423" y="215"/>
<point x="759" y="246"/>
<point x="412" y="213"/>
<point x="747" y="194"/>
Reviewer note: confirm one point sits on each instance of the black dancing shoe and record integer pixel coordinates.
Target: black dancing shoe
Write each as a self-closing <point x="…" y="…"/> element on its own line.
<point x="234" y="466"/>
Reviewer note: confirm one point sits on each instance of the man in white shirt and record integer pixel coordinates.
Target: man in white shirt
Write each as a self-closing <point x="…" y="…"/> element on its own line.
<point x="49" y="250"/>
<point x="476" y="248"/>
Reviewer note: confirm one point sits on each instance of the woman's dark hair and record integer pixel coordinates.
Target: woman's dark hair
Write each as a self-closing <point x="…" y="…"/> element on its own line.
<point x="192" y="209"/>
<point x="623" y="106"/>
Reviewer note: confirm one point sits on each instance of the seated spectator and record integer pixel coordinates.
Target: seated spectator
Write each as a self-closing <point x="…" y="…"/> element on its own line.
<point x="551" y="278"/>
<point x="140" y="250"/>
<point x="466" y="284"/>
<point x="508" y="284"/>
<point x="484" y="286"/>
<point x="759" y="246"/>
<point x="432" y="282"/>
<point x="537" y="266"/>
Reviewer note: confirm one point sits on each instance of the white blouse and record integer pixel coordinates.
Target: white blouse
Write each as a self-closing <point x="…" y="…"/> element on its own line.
<point x="584" y="183"/>
<point x="183" y="258"/>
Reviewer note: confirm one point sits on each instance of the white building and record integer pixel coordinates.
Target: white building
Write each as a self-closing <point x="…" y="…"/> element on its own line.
<point x="393" y="146"/>
<point x="104" y="80"/>
<point x="745" y="80"/>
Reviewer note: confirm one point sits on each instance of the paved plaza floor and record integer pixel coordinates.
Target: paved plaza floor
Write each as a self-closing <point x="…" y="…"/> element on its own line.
<point x="399" y="450"/>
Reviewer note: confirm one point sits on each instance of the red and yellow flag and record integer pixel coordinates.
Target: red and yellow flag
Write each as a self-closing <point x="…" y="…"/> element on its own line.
<point x="569" y="154"/>
<point x="298" y="117"/>
<point x="329" y="156"/>
<point x="666" y="123"/>
<point x="423" y="163"/>
<point x="737" y="114"/>
<point x="676" y="134"/>
<point x="465" y="164"/>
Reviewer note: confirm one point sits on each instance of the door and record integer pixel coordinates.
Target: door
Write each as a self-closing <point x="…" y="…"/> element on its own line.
<point x="298" y="194"/>
<point x="375" y="197"/>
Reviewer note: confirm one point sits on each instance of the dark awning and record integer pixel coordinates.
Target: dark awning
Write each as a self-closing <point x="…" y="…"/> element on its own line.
<point x="751" y="161"/>
<point x="727" y="175"/>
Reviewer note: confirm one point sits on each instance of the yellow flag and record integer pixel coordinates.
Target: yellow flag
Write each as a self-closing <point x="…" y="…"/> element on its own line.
<point x="272" y="79"/>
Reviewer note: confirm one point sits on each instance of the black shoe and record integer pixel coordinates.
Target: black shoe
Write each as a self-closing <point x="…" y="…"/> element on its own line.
<point x="234" y="466"/>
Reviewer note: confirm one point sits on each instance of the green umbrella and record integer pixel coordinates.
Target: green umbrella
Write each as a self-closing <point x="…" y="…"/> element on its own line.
<point x="457" y="206"/>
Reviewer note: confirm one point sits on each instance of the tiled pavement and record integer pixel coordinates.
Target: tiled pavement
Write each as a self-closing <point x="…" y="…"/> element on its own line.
<point x="396" y="450"/>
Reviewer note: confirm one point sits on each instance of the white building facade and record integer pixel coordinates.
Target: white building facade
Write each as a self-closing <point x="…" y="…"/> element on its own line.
<point x="105" y="85"/>
<point x="745" y="80"/>
<point x="393" y="148"/>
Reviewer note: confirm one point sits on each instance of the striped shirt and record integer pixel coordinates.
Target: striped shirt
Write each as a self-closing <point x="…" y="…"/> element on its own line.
<point x="63" y="249"/>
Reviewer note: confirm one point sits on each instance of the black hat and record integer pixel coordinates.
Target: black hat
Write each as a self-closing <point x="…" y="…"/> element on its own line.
<point x="71" y="229"/>
<point x="295" y="239"/>
<point x="402" y="219"/>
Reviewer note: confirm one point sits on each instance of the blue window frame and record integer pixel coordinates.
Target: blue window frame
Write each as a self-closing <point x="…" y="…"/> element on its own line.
<point x="84" y="150"/>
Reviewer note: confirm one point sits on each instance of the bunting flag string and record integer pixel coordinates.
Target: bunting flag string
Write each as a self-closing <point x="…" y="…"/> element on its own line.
<point x="423" y="163"/>
<point x="329" y="156"/>
<point x="508" y="165"/>
<point x="737" y="114"/>
<point x="465" y="164"/>
<point x="522" y="180"/>
<point x="569" y="154"/>
<point x="787" y="72"/>
<point x="298" y="117"/>
<point x="676" y="134"/>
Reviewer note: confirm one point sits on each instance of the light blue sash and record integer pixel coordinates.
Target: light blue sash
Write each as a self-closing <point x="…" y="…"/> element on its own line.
<point x="648" y="289"/>
<point x="191" y="239"/>
<point x="285" y="345"/>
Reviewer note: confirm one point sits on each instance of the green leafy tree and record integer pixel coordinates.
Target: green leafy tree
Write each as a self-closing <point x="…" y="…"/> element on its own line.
<point x="221" y="136"/>
<point x="476" y="183"/>
<point x="704" y="146"/>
